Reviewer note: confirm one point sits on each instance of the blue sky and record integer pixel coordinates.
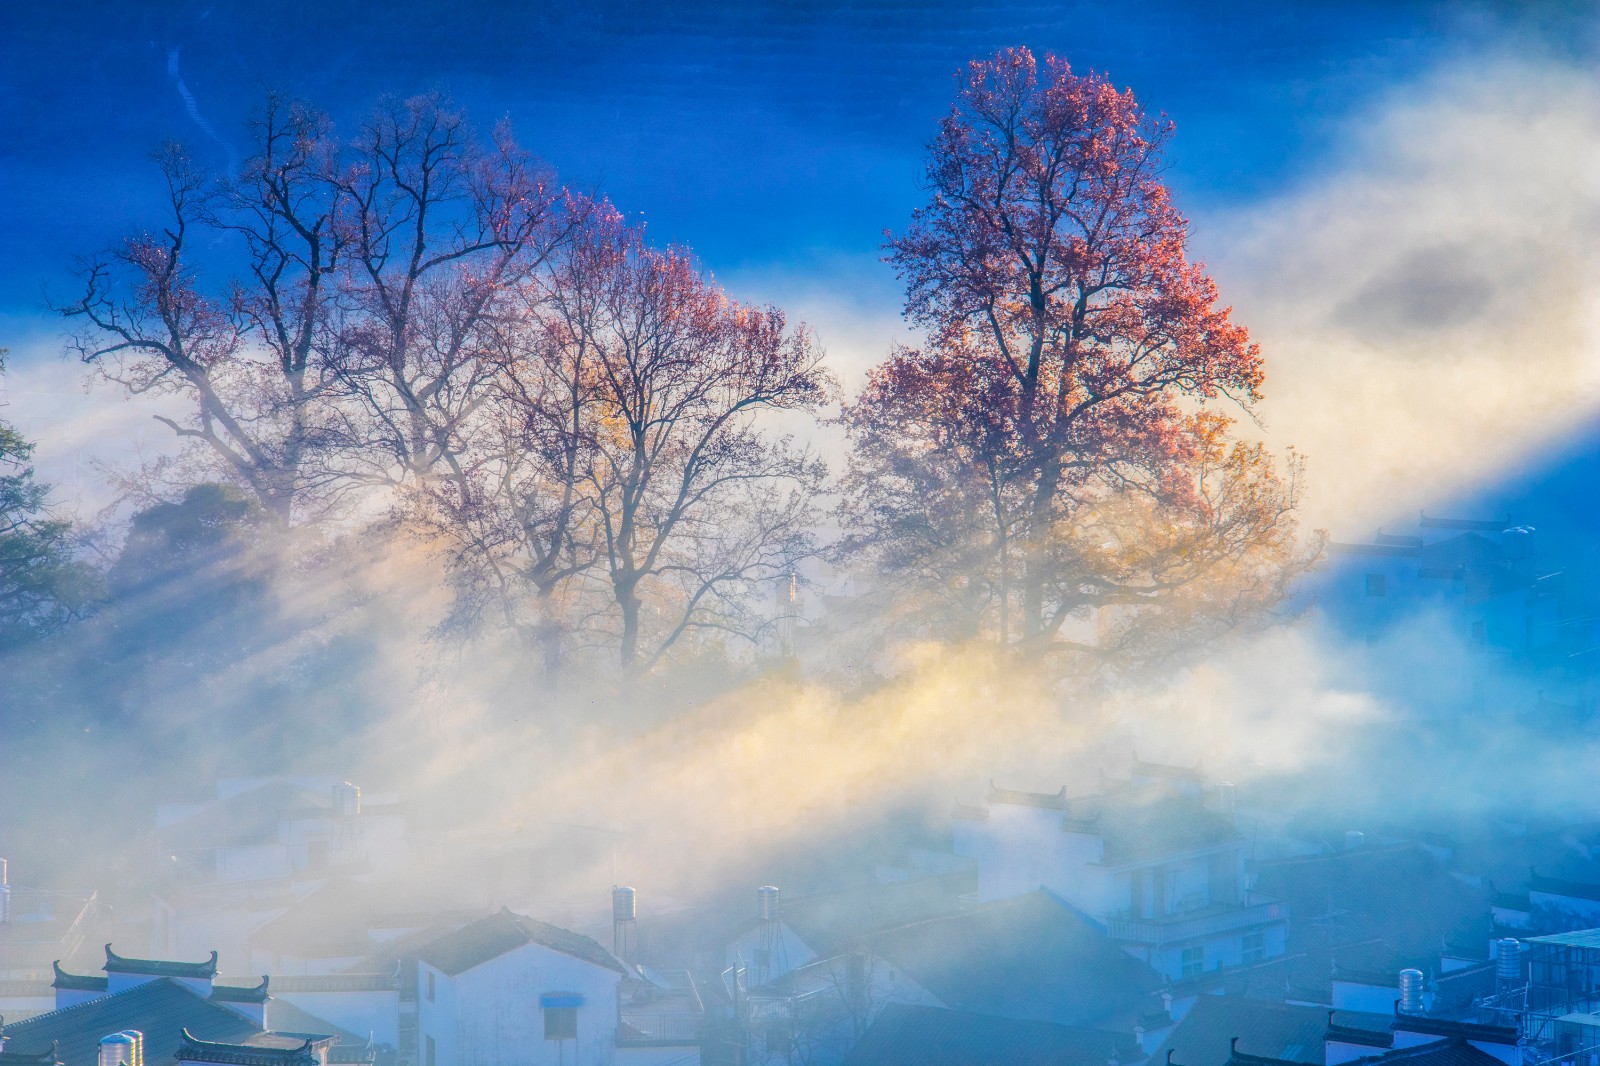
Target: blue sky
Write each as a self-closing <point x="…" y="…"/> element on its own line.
<point x="755" y="132"/>
<point x="779" y="139"/>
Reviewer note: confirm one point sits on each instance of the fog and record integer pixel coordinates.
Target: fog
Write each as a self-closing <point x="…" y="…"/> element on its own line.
<point x="1427" y="308"/>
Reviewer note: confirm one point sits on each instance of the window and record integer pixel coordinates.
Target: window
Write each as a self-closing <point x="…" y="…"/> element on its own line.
<point x="431" y="989"/>
<point x="430" y="1054"/>
<point x="1194" y="961"/>
<point x="1377" y="585"/>
<point x="1255" y="946"/>
<point x="561" y="1023"/>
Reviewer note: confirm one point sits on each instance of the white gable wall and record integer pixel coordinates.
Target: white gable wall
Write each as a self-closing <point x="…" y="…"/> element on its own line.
<point x="490" y="1015"/>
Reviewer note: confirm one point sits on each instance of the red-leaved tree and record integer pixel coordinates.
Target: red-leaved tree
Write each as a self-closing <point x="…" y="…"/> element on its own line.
<point x="1046" y="454"/>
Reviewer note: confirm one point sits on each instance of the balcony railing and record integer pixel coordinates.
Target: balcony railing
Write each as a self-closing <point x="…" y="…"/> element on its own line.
<point x="680" y="1027"/>
<point x="1178" y="928"/>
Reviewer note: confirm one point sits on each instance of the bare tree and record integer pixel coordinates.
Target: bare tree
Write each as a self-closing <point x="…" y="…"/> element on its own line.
<point x="146" y="324"/>
<point x="355" y="345"/>
<point x="692" y="501"/>
<point x="519" y="525"/>
<point x="441" y="231"/>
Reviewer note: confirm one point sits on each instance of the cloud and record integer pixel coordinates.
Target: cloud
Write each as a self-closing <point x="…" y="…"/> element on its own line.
<point x="82" y="427"/>
<point x="1427" y="304"/>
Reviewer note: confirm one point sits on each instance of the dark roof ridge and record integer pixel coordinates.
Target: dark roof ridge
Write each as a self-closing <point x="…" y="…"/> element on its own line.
<point x="1560" y="886"/>
<point x="1350" y="1034"/>
<point x="1019" y="797"/>
<point x="1167" y="769"/>
<point x="1444" y="1027"/>
<point x="51" y="1057"/>
<point x="193" y="1049"/>
<point x="1418" y="1050"/>
<point x="1244" y="1059"/>
<point x="76" y="982"/>
<point x="242" y="993"/>
<point x="159" y="967"/>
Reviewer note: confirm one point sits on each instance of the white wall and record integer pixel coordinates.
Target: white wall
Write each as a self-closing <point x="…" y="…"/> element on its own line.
<point x="491" y="1016"/>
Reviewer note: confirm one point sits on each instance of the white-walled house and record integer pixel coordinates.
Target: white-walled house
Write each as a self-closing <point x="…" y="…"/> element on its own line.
<point x="1158" y="860"/>
<point x="511" y="990"/>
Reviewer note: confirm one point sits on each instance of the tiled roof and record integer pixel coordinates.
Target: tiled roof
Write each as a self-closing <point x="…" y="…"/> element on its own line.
<point x="331" y="922"/>
<point x="1271" y="1030"/>
<point x="833" y="922"/>
<point x="1030" y="957"/>
<point x="491" y="937"/>
<point x="347" y="1047"/>
<point x="1374" y="910"/>
<point x="159" y="967"/>
<point x="161" y="1009"/>
<point x="905" y="1035"/>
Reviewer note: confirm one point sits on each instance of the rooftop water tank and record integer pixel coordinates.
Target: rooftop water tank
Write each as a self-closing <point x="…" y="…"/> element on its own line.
<point x="346" y="799"/>
<point x="1410" y="991"/>
<point x="1354" y="839"/>
<point x="116" y="1050"/>
<point x="1508" y="960"/>
<point x="623" y="907"/>
<point x="138" y="1046"/>
<point x="767" y="903"/>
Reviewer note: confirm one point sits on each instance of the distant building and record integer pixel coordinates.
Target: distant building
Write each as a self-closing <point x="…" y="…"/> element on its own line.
<point x="241" y="859"/>
<point x="37" y="927"/>
<point x="1157" y="860"/>
<point x="511" y="990"/>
